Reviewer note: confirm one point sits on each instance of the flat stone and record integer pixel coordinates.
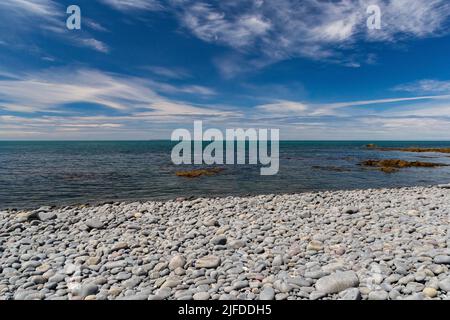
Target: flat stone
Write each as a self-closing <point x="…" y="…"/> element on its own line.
<point x="171" y="282"/>
<point x="201" y="296"/>
<point x="119" y="246"/>
<point x="315" y="245"/>
<point x="240" y="285"/>
<point x="135" y="297"/>
<point x="441" y="259"/>
<point x="208" y="262"/>
<point x="337" y="282"/>
<point x="115" y="264"/>
<point x="46" y="216"/>
<point x="211" y="223"/>
<point x="95" y="224"/>
<point x="236" y="244"/>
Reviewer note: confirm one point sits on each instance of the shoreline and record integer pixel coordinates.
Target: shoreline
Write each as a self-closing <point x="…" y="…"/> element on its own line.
<point x="372" y="244"/>
<point x="99" y="203"/>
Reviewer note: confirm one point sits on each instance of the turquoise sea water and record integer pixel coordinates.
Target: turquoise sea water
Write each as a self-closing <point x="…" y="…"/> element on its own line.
<point x="59" y="173"/>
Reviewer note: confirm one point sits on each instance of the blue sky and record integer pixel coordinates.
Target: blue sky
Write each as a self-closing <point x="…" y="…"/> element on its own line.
<point x="139" y="69"/>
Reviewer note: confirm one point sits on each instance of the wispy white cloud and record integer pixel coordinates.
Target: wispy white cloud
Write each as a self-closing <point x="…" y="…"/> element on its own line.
<point x="170" y="73"/>
<point x="333" y="109"/>
<point x="38" y="105"/>
<point x="278" y="30"/>
<point x="94" y="44"/>
<point x="50" y="90"/>
<point x="425" y="86"/>
<point x="151" y="5"/>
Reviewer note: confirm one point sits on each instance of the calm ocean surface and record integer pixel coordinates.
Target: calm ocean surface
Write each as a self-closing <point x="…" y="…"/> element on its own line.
<point x="33" y="174"/>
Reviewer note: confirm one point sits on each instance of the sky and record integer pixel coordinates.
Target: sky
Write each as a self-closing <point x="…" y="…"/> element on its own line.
<point x="138" y="69"/>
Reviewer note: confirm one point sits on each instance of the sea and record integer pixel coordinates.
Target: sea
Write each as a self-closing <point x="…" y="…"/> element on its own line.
<point x="60" y="173"/>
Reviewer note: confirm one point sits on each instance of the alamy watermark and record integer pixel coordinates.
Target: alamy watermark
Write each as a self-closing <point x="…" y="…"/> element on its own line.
<point x="73" y="22"/>
<point x="374" y="20"/>
<point x="191" y="150"/>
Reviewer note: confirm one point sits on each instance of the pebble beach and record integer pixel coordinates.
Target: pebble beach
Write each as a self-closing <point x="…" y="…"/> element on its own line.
<point x="374" y="244"/>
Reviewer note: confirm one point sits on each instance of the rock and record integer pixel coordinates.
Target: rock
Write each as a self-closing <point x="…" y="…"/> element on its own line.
<point x="441" y="259"/>
<point x="236" y="244"/>
<point x="85" y="290"/>
<point x="277" y="261"/>
<point x="119" y="246"/>
<point x="70" y="269"/>
<point x="178" y="261"/>
<point x="378" y="295"/>
<point x="171" y="282"/>
<point x="58" y="277"/>
<point x="430" y="292"/>
<point x="238" y="285"/>
<point x="95" y="224"/>
<point x="350" y="294"/>
<point x="115" y="264"/>
<point x="46" y="216"/>
<point x="211" y="223"/>
<point x="416" y="296"/>
<point x="136" y="297"/>
<point x="28" y="295"/>
<point x="219" y="240"/>
<point x="315" y="295"/>
<point x="315" y="245"/>
<point x="267" y="294"/>
<point x="444" y="285"/>
<point x="27" y="216"/>
<point x="121" y="276"/>
<point x="337" y="282"/>
<point x="92" y="261"/>
<point x="201" y="296"/>
<point x="208" y="262"/>
<point x="38" y="280"/>
<point x="351" y="210"/>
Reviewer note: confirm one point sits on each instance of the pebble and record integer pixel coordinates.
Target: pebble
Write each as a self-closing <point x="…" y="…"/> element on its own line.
<point x="441" y="259"/>
<point x="430" y="292"/>
<point x="201" y="296"/>
<point x="178" y="261"/>
<point x="337" y="282"/>
<point x="378" y="295"/>
<point x="86" y="290"/>
<point x="267" y="294"/>
<point x="94" y="224"/>
<point x="208" y="262"/>
<point x="219" y="240"/>
<point x="444" y="285"/>
<point x="347" y="245"/>
<point x="315" y="245"/>
<point x="350" y="294"/>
